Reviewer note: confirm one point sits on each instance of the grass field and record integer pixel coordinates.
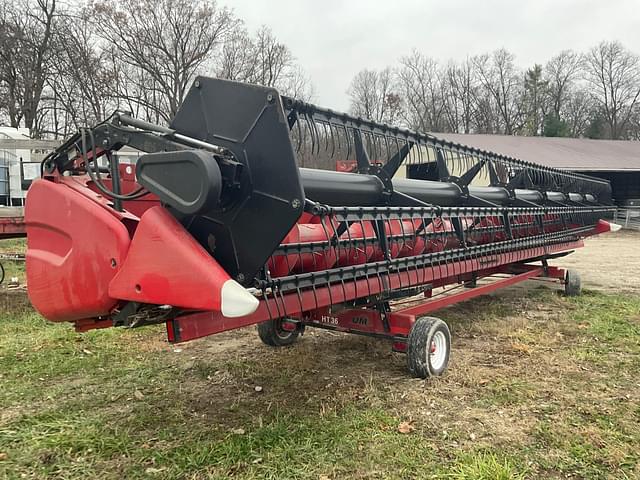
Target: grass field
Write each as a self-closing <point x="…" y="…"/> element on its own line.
<point x="13" y="268"/>
<point x="540" y="386"/>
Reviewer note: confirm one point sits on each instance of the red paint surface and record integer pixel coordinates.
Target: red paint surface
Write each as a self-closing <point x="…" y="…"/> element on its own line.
<point x="401" y="320"/>
<point x="75" y="236"/>
<point x="12" y="227"/>
<point x="348" y="320"/>
<point x="167" y="266"/>
<point x="202" y="324"/>
<point x="71" y="243"/>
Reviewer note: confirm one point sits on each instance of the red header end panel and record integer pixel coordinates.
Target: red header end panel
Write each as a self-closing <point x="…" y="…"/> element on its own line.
<point x="74" y="247"/>
<point x="165" y="265"/>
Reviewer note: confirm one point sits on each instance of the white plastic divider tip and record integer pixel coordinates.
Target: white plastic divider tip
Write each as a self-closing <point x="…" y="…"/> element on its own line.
<point x="236" y="301"/>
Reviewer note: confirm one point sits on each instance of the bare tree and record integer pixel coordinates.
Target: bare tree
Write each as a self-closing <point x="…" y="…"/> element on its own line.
<point x="167" y="42"/>
<point x="26" y="32"/>
<point x="577" y="110"/>
<point x="421" y="88"/>
<point x="502" y="81"/>
<point x="561" y="73"/>
<point x="272" y="58"/>
<point x="460" y="98"/>
<point x="80" y="84"/>
<point x="634" y="124"/>
<point x="614" y="75"/>
<point x="373" y="96"/>
<point x="236" y="61"/>
<point x="262" y="60"/>
<point x="297" y="84"/>
<point x="485" y="115"/>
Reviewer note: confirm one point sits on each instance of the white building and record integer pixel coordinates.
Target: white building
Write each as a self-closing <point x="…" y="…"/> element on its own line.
<point x="15" y="166"/>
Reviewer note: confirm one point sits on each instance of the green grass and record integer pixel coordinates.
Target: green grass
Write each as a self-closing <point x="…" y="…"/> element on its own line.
<point x="13" y="268"/>
<point x="612" y="320"/>
<point x="485" y="466"/>
<point x="123" y="404"/>
<point x="13" y="245"/>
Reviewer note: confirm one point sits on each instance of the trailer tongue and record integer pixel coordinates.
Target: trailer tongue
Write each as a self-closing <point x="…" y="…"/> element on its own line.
<point x="218" y="227"/>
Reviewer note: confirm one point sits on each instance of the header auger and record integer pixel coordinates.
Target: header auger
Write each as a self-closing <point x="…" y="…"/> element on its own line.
<point x="216" y="226"/>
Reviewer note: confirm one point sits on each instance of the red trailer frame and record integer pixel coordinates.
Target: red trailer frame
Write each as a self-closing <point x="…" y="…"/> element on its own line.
<point x="426" y="340"/>
<point x="12" y="227"/>
<point x="314" y="308"/>
<point x="396" y="324"/>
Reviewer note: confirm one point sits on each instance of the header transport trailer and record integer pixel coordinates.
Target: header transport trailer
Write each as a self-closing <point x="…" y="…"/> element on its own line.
<point x="216" y="227"/>
<point x="11" y="226"/>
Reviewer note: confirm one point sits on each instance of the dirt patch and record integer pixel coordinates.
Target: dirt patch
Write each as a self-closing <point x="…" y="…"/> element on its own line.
<point x="531" y="377"/>
<point x="507" y="374"/>
<point x="11" y="301"/>
<point x="609" y="262"/>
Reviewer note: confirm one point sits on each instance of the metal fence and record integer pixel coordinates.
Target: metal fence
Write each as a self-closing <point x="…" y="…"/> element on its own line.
<point x="628" y="217"/>
<point x="19" y="164"/>
<point x="6" y="158"/>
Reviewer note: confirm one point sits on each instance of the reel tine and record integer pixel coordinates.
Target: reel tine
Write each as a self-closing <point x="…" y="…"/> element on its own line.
<point x="299" y="297"/>
<point x="348" y="142"/>
<point x="379" y="157"/>
<point x="308" y="121"/>
<point x="419" y="152"/>
<point x="367" y="142"/>
<point x="333" y="141"/>
<point x="326" y="136"/>
<point x="398" y="150"/>
<point x="377" y="154"/>
<point x="376" y="148"/>
<point x="388" y="151"/>
<point x="317" y="133"/>
<point x="299" y="130"/>
<point x="338" y="133"/>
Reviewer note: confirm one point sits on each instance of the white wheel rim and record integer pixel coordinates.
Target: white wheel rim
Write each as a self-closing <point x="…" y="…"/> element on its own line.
<point x="438" y="350"/>
<point x="281" y="332"/>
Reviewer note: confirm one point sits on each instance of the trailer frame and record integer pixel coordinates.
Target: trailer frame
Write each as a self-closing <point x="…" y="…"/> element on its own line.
<point x="379" y="321"/>
<point x="300" y="305"/>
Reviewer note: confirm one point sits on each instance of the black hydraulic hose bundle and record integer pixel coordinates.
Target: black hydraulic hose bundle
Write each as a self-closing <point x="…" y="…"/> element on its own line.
<point x="93" y="169"/>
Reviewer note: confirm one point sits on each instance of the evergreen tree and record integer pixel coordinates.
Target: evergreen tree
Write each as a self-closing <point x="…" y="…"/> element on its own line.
<point x="554" y="126"/>
<point x="596" y="128"/>
<point x="535" y="90"/>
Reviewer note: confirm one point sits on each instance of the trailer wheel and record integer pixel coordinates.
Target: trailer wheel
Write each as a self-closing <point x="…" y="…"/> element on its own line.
<point x="271" y="333"/>
<point x="572" y="283"/>
<point x="428" y="347"/>
<point x="1" y="273"/>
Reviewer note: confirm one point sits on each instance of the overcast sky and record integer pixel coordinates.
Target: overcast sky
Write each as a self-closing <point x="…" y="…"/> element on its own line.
<point x="333" y="39"/>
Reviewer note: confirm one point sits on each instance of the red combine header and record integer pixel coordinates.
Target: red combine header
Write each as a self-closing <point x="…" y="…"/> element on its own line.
<point x="216" y="227"/>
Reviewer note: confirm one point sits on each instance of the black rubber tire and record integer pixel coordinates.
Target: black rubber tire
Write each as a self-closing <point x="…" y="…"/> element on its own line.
<point x="1" y="273"/>
<point x="271" y="333"/>
<point x="419" y="347"/>
<point x="572" y="283"/>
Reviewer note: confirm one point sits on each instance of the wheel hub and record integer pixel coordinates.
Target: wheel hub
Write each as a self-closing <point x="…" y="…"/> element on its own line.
<point x="438" y="350"/>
